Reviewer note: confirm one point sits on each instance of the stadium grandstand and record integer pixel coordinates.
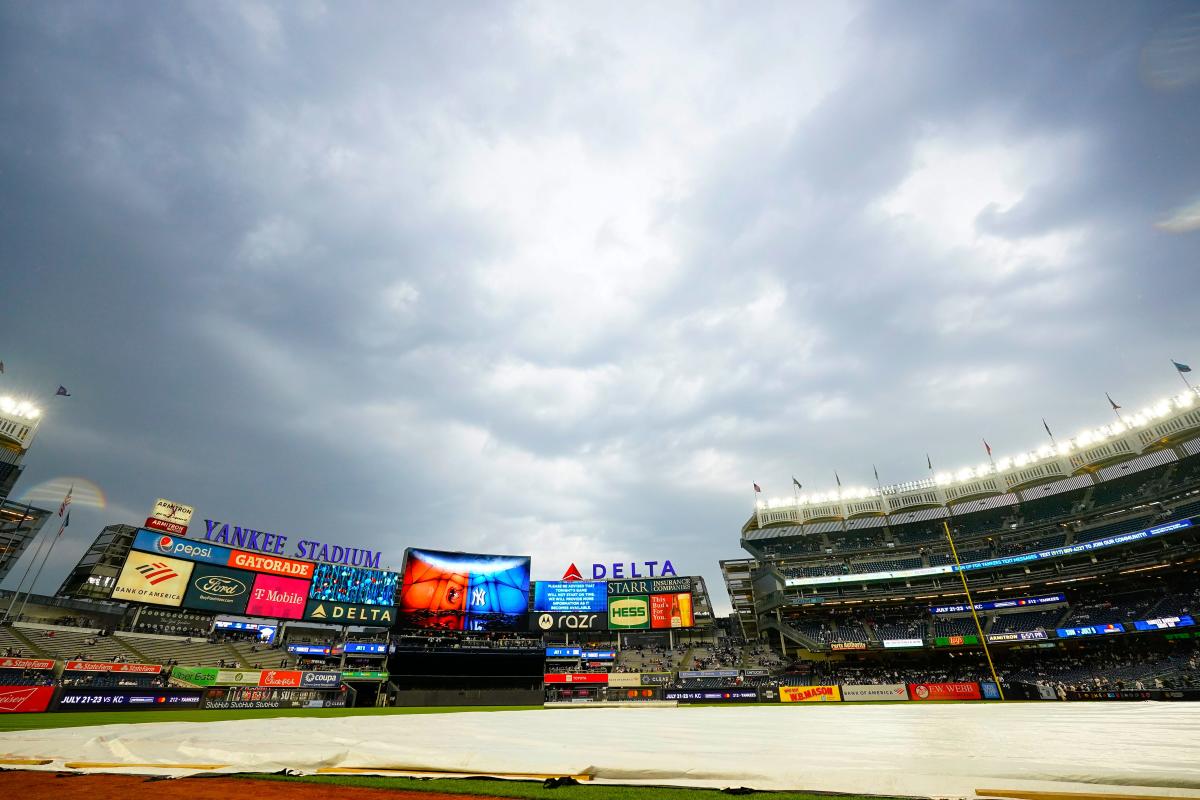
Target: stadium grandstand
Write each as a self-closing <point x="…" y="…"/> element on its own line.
<point x="1082" y="559"/>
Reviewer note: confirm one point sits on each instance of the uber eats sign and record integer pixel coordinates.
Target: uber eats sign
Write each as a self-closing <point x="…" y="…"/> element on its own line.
<point x="629" y="612"/>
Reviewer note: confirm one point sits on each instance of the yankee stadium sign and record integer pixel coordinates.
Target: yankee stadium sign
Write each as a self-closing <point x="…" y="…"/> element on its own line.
<point x="274" y="544"/>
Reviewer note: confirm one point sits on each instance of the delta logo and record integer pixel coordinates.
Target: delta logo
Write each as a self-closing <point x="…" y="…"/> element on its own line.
<point x="156" y="572"/>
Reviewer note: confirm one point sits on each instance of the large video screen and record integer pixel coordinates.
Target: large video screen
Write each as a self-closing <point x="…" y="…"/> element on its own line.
<point x="463" y="591"/>
<point x="339" y="584"/>
<point x="571" y="597"/>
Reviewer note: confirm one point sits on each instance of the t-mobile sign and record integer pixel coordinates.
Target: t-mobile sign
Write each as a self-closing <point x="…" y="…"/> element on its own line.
<point x="277" y="597"/>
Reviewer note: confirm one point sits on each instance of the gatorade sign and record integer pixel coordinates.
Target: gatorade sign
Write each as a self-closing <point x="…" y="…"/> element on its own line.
<point x="629" y="612"/>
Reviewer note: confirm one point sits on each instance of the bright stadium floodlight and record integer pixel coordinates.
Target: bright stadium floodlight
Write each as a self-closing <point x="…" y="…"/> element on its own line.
<point x="1064" y="448"/>
<point x="1004" y="464"/>
<point x="1185" y="400"/>
<point x="7" y="404"/>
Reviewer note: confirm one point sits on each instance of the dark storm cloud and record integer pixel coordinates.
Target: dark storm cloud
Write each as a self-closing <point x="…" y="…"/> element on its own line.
<point x="536" y="279"/>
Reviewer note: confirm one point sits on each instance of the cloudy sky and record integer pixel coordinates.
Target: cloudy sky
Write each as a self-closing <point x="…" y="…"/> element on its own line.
<point x="564" y="279"/>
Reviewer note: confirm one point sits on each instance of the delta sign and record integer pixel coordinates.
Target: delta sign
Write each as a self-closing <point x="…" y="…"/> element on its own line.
<point x="620" y="570"/>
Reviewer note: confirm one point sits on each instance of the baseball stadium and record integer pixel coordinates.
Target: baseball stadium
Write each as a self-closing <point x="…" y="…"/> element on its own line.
<point x="1023" y="628"/>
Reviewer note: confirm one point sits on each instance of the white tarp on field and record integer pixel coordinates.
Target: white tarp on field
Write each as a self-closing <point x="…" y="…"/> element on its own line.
<point x="905" y="749"/>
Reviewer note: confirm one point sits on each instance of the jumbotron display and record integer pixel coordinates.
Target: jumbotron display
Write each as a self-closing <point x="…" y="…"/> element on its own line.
<point x="353" y="585"/>
<point x="463" y="591"/>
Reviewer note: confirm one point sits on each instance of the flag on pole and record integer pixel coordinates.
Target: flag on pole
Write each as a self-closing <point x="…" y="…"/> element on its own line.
<point x="1181" y="367"/>
<point x="62" y="392"/>
<point x="1111" y="403"/>
<point x="876" y="471"/>
<point x="798" y="484"/>
<point x="66" y="503"/>
<point x="928" y="462"/>
<point x="757" y="489"/>
<point x="63" y="527"/>
<point x="838" y="478"/>
<point x="1047" y="427"/>
<point x="987" y="447"/>
<point x="1" y="367"/>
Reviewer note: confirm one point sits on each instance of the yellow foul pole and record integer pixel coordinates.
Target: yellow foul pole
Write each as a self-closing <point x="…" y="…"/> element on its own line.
<point x="971" y="605"/>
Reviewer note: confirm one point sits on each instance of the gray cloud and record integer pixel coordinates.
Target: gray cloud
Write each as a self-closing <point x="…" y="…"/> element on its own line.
<point x="533" y="278"/>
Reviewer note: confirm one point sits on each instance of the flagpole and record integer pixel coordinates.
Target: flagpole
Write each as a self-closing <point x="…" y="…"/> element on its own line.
<point x="45" y="558"/>
<point x="971" y="605"/>
<point x="41" y="543"/>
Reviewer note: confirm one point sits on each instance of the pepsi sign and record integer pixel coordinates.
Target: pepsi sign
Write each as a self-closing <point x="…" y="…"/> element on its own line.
<point x="179" y="547"/>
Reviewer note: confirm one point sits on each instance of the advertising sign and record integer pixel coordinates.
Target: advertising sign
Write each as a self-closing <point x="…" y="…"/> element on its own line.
<point x="313" y="649"/>
<point x="598" y="655"/>
<point x="350" y="614"/>
<point x="621" y="570"/>
<point x="656" y="678"/>
<point x="276" y="597"/>
<point x="875" y="693"/>
<point x="1090" y="630"/>
<point x="731" y="695"/>
<point x="1163" y="623"/>
<point x="709" y="673"/>
<point x="575" y="677"/>
<point x="571" y="597"/>
<point x="557" y="621"/>
<point x="364" y="675"/>
<point x="218" y="589"/>
<point x="463" y="591"/>
<point x="955" y="641"/>
<point x="272" y="565"/>
<point x="320" y="680"/>
<point x="848" y="646"/>
<point x="354" y="585"/>
<point x="990" y="690"/>
<point x="676" y="585"/>
<point x="22" y="699"/>
<point x="279" y="677"/>
<point x="563" y="652"/>
<point x="809" y="694"/>
<point x="891" y="644"/>
<point x="165" y="527"/>
<point x="944" y="691"/>
<point x="272" y="697"/>
<point x="671" y="610"/>
<point x="1018" y="636"/>
<point x="366" y="648"/>
<point x="630" y="612"/>
<point x="623" y="679"/>
<point x="151" y="578"/>
<point x="27" y="663"/>
<point x="238" y="677"/>
<point x="196" y="676"/>
<point x="992" y="605"/>
<point x="71" y="699"/>
<point x="111" y="666"/>
<point x="172" y="512"/>
<point x="164" y="544"/>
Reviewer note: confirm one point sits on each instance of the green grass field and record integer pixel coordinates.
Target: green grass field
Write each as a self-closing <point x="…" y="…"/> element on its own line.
<point x="74" y="719"/>
<point x="528" y="789"/>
